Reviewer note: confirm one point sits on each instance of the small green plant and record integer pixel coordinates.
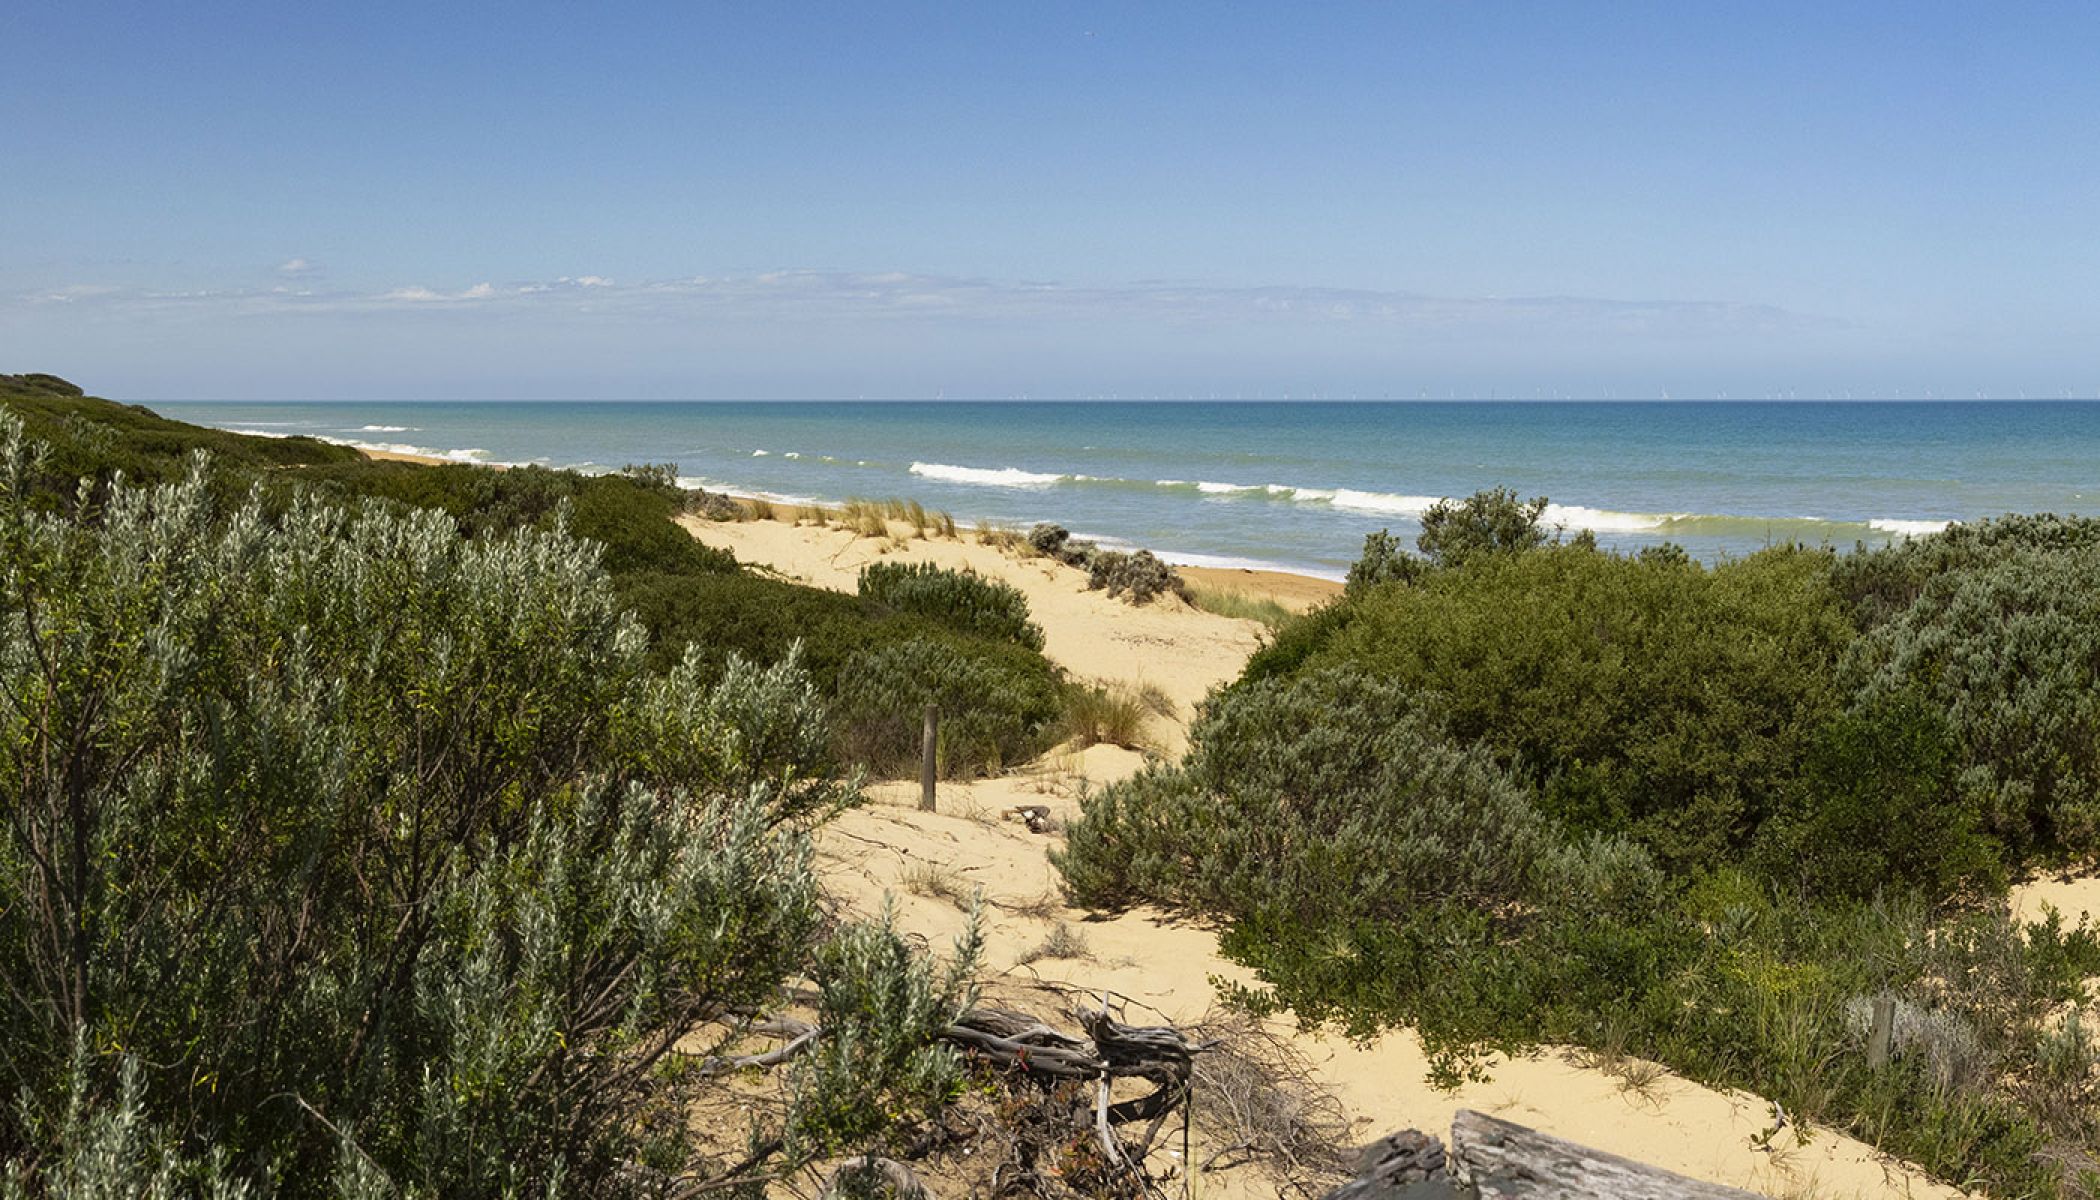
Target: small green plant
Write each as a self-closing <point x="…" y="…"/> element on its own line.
<point x="1064" y="942"/>
<point x="937" y="883"/>
<point x="1115" y="714"/>
<point x="1229" y="602"/>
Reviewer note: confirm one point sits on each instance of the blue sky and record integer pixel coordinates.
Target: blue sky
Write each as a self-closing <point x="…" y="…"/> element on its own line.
<point x="703" y="200"/>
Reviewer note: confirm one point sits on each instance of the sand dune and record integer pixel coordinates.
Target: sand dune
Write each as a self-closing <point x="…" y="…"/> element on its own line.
<point x="890" y="848"/>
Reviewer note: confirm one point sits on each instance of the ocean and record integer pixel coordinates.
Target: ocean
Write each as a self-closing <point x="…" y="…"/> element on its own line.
<point x="1297" y="485"/>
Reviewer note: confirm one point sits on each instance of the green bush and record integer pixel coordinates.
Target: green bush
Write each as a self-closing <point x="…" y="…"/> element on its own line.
<point x="346" y="854"/>
<point x="1138" y="577"/>
<point x="959" y="599"/>
<point x="633" y="518"/>
<point x="1355" y="851"/>
<point x="1489" y="522"/>
<point x="1645" y="696"/>
<point x="1875" y="808"/>
<point x="2008" y="648"/>
<point x="1374" y="872"/>
<point x="1881" y="583"/>
<point x="995" y="710"/>
<point x="1383" y="561"/>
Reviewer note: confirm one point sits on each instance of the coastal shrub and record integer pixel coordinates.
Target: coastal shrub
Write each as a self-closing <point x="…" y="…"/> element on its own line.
<point x="1374" y="871"/>
<point x="1487" y="522"/>
<point x="347" y="854"/>
<point x="994" y="711"/>
<point x="1880" y="583"/>
<point x="1291" y="644"/>
<point x="713" y="618"/>
<point x="1356" y="851"/>
<point x="1320" y="763"/>
<point x="960" y="599"/>
<point x="1876" y="808"/>
<point x="632" y="518"/>
<point x="1655" y="698"/>
<point x="1382" y="561"/>
<point x="1053" y="541"/>
<point x="1138" y="577"/>
<point x="2009" y="652"/>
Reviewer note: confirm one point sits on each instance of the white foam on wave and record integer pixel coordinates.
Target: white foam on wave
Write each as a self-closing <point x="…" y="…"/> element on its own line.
<point x="791" y="454"/>
<point x="259" y="433"/>
<point x="471" y="454"/>
<point x="1378" y="502"/>
<point x="1209" y="488"/>
<point x="1009" y="477"/>
<point x="1908" y="528"/>
<point x="1604" y="520"/>
<point x="387" y="429"/>
<point x="760" y="453"/>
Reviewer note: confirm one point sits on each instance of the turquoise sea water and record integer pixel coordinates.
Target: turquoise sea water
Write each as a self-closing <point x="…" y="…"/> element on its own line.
<point x="1297" y="485"/>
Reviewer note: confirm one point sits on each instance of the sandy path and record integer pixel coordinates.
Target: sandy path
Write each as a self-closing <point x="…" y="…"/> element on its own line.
<point x="889" y="848"/>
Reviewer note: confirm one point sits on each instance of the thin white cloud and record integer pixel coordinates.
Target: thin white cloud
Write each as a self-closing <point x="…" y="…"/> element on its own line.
<point x="296" y="266"/>
<point x="788" y="296"/>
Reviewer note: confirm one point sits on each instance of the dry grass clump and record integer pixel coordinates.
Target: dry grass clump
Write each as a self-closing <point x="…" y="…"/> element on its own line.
<point x="1064" y="943"/>
<point x="1639" y="1077"/>
<point x="873" y="519"/>
<point x="1041" y="907"/>
<point x="1114" y="714"/>
<point x="864" y="518"/>
<point x="1228" y="602"/>
<point x="757" y="508"/>
<point x="937" y="883"/>
<point x="1003" y="537"/>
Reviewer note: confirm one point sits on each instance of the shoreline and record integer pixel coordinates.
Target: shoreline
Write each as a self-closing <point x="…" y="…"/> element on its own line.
<point x="1295" y="590"/>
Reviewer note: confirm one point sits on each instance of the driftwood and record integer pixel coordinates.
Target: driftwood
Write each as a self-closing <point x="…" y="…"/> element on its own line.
<point x="892" y="1174"/>
<point x="1019" y="1043"/>
<point x="1500" y="1159"/>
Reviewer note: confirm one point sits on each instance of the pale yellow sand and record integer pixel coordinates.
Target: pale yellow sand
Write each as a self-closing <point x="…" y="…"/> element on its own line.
<point x="1166" y="644"/>
<point x="1294" y="592"/>
<point x="2078" y="899"/>
<point x="1169" y="965"/>
<point x="427" y="460"/>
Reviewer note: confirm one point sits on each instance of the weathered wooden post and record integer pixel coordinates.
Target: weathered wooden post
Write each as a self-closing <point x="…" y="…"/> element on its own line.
<point x="1882" y="1032"/>
<point x="927" y="745"/>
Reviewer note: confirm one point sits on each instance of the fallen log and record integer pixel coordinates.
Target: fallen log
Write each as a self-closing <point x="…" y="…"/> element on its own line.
<point x="1498" y="1159"/>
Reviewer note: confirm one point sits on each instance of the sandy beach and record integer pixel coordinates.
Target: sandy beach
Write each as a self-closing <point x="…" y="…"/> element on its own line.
<point x="888" y="848"/>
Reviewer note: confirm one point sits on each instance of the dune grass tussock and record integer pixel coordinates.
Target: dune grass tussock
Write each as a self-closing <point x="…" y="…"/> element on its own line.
<point x="1113" y="714"/>
<point x="1231" y="602"/>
